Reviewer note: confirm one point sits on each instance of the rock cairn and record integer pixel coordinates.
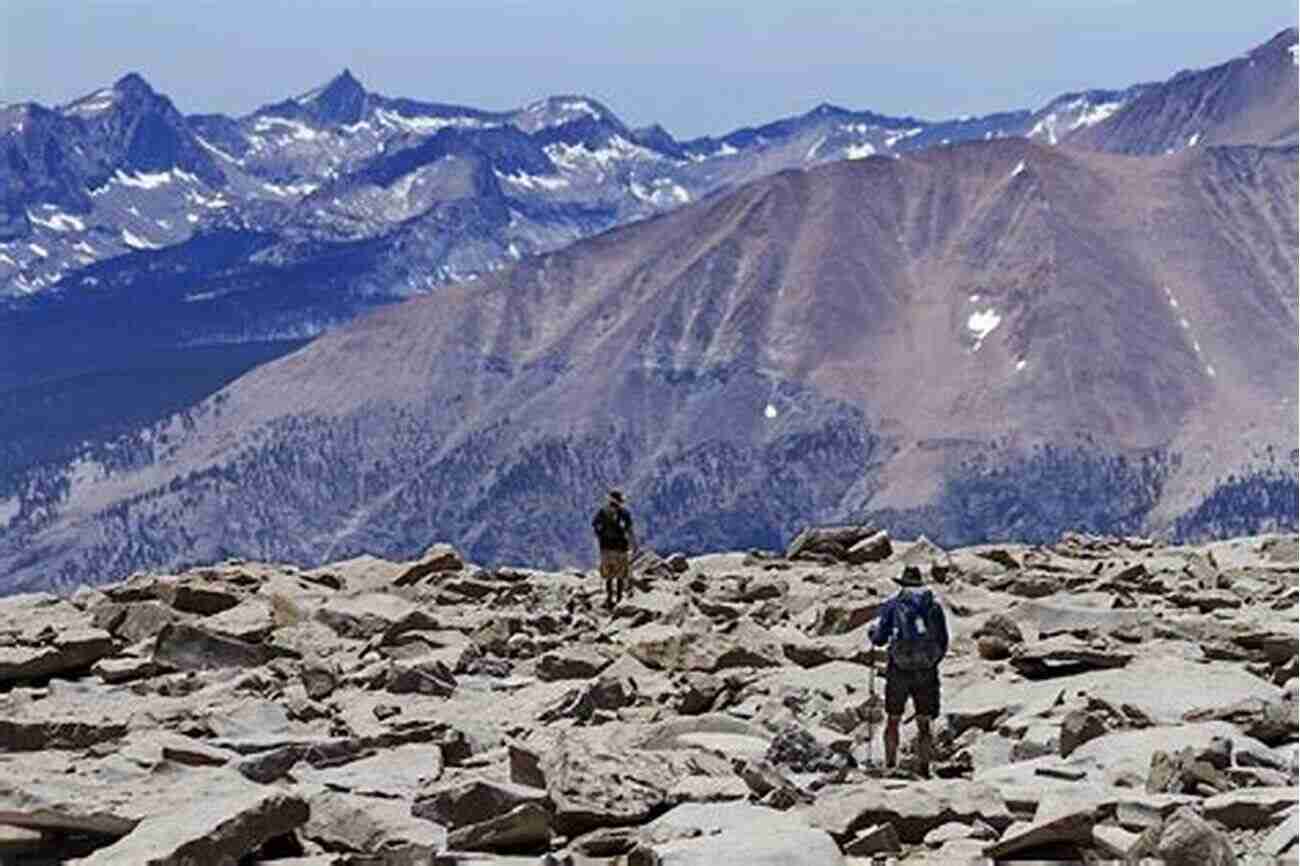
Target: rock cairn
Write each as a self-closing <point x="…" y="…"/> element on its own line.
<point x="1103" y="698"/>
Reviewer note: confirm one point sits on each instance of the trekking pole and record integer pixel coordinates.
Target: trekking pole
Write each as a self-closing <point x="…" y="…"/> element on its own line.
<point x="871" y="705"/>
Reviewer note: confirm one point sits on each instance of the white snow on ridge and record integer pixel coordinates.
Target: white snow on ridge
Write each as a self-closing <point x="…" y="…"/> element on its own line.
<point x="39" y="250"/>
<point x="59" y="222"/>
<point x="812" y="151"/>
<point x="423" y="124"/>
<point x="1046" y="126"/>
<point x="8" y="261"/>
<point x="83" y="247"/>
<point x="137" y="242"/>
<point x="1096" y="114"/>
<point x="207" y="145"/>
<point x="100" y="100"/>
<point x="290" y="190"/>
<point x="144" y="180"/>
<point x="662" y="191"/>
<point x="1191" y="141"/>
<point x="571" y="156"/>
<point x="894" y="139"/>
<point x="859" y="151"/>
<point x="300" y="131"/>
<point x="1020" y="166"/>
<point x="1295" y="53"/>
<point x="533" y="181"/>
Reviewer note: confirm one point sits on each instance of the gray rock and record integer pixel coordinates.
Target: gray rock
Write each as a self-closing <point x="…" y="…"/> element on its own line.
<point x="874" y="548"/>
<point x="35" y="735"/>
<point x="1078" y="727"/>
<point x="1250" y="808"/>
<point x="1283" y="836"/>
<point x="425" y="677"/>
<point x="372" y="826"/>
<point x="197" y="596"/>
<point x="525" y="827"/>
<point x="70" y="652"/>
<point x="1272" y="722"/>
<point x="186" y="647"/>
<point x="319" y="679"/>
<point x="737" y="834"/>
<point x="1071" y="824"/>
<point x="373" y="613"/>
<point x="470" y="802"/>
<point x="251" y="620"/>
<point x="1115" y="841"/>
<point x="914" y="808"/>
<point x="1188" y="840"/>
<point x="1064" y="655"/>
<point x="830" y="540"/>
<point x="439" y="559"/>
<point x="572" y="663"/>
<point x="216" y="829"/>
<point x="876" y="839"/>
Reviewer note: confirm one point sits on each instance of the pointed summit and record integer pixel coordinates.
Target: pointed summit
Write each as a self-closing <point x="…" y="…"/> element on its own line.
<point x="133" y="85"/>
<point x="342" y="100"/>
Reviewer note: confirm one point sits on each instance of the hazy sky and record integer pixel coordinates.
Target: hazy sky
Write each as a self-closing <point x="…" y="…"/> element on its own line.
<point x="695" y="68"/>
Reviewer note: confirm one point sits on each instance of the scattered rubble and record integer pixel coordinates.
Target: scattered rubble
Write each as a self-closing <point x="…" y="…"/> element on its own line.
<point x="1104" y="698"/>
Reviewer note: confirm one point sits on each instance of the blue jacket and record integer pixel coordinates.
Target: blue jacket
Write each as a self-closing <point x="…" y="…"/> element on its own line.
<point x="883" y="630"/>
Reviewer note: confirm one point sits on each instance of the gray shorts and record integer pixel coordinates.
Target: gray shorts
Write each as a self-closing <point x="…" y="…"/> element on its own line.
<point x="921" y="686"/>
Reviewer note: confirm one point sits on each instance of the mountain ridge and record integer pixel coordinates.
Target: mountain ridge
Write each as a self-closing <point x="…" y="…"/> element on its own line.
<point x="998" y="339"/>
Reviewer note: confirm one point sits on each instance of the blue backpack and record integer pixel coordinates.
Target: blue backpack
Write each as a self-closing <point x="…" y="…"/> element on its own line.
<point x="915" y="645"/>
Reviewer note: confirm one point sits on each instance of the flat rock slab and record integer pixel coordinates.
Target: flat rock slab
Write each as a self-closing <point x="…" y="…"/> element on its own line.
<point x="363" y="616"/>
<point x="370" y="825"/>
<point x="191" y="648"/>
<point x="1131" y="751"/>
<point x="665" y="647"/>
<point x="69" y="652"/>
<point x="210" y="828"/>
<point x="737" y="834"/>
<point x="1249" y="808"/>
<point x="913" y="808"/>
<point x="396" y="773"/>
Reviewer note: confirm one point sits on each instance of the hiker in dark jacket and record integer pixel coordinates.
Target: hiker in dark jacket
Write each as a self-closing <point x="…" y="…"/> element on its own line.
<point x="913" y="624"/>
<point x="614" y="535"/>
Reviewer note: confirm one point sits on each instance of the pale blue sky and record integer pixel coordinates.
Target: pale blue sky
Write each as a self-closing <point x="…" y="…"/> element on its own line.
<point x="697" y="69"/>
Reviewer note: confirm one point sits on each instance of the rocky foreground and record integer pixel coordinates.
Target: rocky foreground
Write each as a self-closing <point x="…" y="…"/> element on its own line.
<point x="1104" y="698"/>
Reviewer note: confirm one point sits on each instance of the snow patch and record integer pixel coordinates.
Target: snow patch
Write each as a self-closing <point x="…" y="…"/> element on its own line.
<point x="137" y="242"/>
<point x="859" y="151"/>
<point x="144" y="180"/>
<point x="1295" y="53"/>
<point x="424" y="125"/>
<point x="533" y="181"/>
<point x="894" y="139"/>
<point x="100" y="100"/>
<point x="859" y="128"/>
<point x="1020" y="166"/>
<point x="1096" y="114"/>
<point x="290" y="190"/>
<point x="83" y="247"/>
<point x="209" y="146"/>
<point x="8" y="261"/>
<point x="975" y="299"/>
<point x="1046" y="126"/>
<point x="662" y="191"/>
<point x="39" y="250"/>
<point x="812" y="151"/>
<point x="1020" y="365"/>
<point x="769" y="412"/>
<point x="1191" y="141"/>
<point x="573" y="156"/>
<point x="1209" y="368"/>
<point x="513" y="251"/>
<point x="299" y="131"/>
<point x="981" y="323"/>
<point x="192" y="217"/>
<point x="9" y="509"/>
<point x="59" y="222"/>
<point x="200" y="296"/>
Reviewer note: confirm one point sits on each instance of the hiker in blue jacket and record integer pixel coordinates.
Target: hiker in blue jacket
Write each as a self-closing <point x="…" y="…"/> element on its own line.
<point x="913" y="624"/>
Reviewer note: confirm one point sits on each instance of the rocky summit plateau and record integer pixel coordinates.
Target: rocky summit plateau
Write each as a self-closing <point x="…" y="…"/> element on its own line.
<point x="1104" y="698"/>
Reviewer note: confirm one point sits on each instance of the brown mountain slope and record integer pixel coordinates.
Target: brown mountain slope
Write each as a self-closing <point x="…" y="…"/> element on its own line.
<point x="1252" y="99"/>
<point x="984" y="341"/>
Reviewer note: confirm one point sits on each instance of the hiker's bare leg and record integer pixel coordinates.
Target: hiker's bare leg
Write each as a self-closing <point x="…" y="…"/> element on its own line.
<point x="923" y="743"/>
<point x="891" y="740"/>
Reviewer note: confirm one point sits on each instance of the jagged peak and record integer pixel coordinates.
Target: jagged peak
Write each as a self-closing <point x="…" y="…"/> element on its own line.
<point x="133" y="82"/>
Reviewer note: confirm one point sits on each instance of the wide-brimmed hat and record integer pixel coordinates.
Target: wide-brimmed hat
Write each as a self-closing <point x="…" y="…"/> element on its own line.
<point x="911" y="576"/>
<point x="616" y="495"/>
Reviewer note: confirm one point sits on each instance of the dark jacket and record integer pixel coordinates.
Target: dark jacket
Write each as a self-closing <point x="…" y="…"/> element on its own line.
<point x="613" y="527"/>
<point x="887" y="623"/>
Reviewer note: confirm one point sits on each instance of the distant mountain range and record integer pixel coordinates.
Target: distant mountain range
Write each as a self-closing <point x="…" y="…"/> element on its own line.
<point x="980" y="337"/>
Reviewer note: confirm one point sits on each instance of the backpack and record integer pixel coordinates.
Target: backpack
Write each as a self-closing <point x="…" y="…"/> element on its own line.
<point x="609" y="528"/>
<point x="915" y="645"/>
